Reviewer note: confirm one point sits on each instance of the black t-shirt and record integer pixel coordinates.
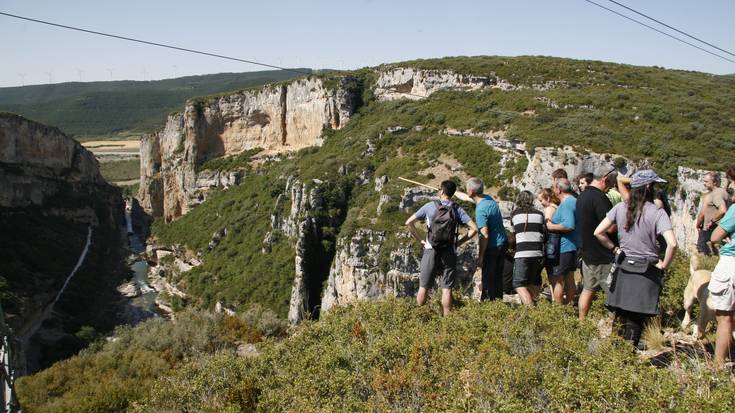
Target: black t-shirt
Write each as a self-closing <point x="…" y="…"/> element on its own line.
<point x="592" y="206"/>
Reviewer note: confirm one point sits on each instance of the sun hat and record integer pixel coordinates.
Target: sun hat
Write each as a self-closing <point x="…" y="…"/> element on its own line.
<point x="644" y="177"/>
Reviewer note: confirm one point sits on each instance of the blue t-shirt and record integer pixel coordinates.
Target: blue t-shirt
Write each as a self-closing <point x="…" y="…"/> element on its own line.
<point x="728" y="224"/>
<point x="565" y="216"/>
<point x="487" y="214"/>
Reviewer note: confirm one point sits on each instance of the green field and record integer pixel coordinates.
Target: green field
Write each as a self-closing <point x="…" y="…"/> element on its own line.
<point x="116" y="171"/>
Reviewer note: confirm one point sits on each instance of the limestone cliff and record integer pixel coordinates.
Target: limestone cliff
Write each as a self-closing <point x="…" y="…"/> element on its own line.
<point x="409" y="83"/>
<point x="39" y="161"/>
<point x="55" y="207"/>
<point x="277" y="118"/>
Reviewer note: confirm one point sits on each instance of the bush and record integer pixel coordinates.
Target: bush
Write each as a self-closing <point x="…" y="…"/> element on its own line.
<point x="394" y="356"/>
<point x="114" y="375"/>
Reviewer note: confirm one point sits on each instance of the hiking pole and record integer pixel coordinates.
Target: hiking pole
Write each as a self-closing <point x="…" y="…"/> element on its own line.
<point x="459" y="194"/>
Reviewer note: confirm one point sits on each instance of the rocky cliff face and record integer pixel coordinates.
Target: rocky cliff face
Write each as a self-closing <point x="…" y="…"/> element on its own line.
<point x="277" y="118"/>
<point x="39" y="161"/>
<point x="52" y="198"/>
<point x="409" y="83"/>
<point x="367" y="264"/>
<point x="412" y="83"/>
<point x="685" y="204"/>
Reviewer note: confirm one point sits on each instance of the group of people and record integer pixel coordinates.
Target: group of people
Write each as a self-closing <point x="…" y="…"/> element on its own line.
<point x="615" y="229"/>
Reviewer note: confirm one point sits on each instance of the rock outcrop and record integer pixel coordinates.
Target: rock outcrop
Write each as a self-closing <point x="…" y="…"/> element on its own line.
<point x="39" y="163"/>
<point x="364" y="268"/>
<point x="685" y="203"/>
<point x="278" y="118"/>
<point x="55" y="207"/>
<point x="409" y="83"/>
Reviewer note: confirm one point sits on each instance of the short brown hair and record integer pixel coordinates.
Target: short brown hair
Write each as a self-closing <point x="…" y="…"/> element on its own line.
<point x="731" y="172"/>
<point x="559" y="173"/>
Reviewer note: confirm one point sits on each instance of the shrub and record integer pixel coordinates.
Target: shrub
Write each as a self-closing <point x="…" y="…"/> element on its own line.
<point x="394" y="356"/>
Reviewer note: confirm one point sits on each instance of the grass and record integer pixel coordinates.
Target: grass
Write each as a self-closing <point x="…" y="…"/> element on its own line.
<point x="229" y="163"/>
<point x="123" y="170"/>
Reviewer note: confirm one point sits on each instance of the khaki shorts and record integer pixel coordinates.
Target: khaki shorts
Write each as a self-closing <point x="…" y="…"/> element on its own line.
<point x="722" y="284"/>
<point x="594" y="276"/>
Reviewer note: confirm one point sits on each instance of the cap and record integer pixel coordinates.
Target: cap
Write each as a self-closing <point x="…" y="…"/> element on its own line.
<point x="603" y="170"/>
<point x="644" y="177"/>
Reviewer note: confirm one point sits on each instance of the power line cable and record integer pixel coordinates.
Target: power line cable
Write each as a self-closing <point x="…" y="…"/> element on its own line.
<point x="115" y="36"/>
<point x="147" y="42"/>
<point x="659" y="31"/>
<point x="671" y="27"/>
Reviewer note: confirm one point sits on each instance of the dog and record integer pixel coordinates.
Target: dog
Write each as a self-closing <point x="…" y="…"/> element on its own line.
<point x="696" y="290"/>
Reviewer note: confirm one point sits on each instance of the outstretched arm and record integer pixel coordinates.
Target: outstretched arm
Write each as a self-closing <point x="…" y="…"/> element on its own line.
<point x="470" y="234"/>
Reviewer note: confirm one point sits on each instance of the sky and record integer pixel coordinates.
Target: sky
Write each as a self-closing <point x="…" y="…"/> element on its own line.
<point x="341" y="35"/>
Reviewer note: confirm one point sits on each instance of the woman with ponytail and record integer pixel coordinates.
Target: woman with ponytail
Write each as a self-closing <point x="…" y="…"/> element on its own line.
<point x="636" y="286"/>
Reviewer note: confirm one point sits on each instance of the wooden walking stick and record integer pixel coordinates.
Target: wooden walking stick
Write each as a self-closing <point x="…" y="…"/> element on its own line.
<point x="459" y="194"/>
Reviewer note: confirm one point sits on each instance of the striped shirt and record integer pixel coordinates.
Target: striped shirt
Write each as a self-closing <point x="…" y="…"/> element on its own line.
<point x="528" y="227"/>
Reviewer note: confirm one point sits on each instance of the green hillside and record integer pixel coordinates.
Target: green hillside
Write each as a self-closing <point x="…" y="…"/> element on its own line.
<point x="107" y="108"/>
<point x="390" y="355"/>
<point x="672" y="117"/>
<point x="384" y="356"/>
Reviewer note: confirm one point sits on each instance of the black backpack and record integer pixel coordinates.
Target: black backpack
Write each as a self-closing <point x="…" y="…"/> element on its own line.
<point x="444" y="227"/>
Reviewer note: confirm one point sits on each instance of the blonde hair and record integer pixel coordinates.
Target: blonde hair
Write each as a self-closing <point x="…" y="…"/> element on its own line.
<point x="548" y="195"/>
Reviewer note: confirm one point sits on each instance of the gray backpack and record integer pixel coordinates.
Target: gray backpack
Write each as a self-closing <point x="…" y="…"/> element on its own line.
<point x="444" y="227"/>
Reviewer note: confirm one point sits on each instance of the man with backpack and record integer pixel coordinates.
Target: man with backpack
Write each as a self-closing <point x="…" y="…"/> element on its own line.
<point x="443" y="219"/>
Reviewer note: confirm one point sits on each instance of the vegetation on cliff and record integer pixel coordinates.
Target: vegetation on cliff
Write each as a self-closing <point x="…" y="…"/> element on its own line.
<point x="391" y="355"/>
<point x="671" y="117"/>
<point x="380" y="356"/>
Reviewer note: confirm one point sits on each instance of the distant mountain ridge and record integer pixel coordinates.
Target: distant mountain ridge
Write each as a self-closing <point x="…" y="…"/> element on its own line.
<point x="106" y="108"/>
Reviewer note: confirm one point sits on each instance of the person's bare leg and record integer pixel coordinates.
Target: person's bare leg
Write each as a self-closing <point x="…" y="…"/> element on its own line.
<point x="525" y="294"/>
<point x="446" y="300"/>
<point x="585" y="302"/>
<point x="421" y="296"/>
<point x="570" y="287"/>
<point x="557" y="289"/>
<point x="724" y="335"/>
<point x="535" y="291"/>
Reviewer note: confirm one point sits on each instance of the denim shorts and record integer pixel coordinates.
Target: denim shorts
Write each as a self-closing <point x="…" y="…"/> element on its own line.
<point x="527" y="271"/>
<point x="567" y="263"/>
